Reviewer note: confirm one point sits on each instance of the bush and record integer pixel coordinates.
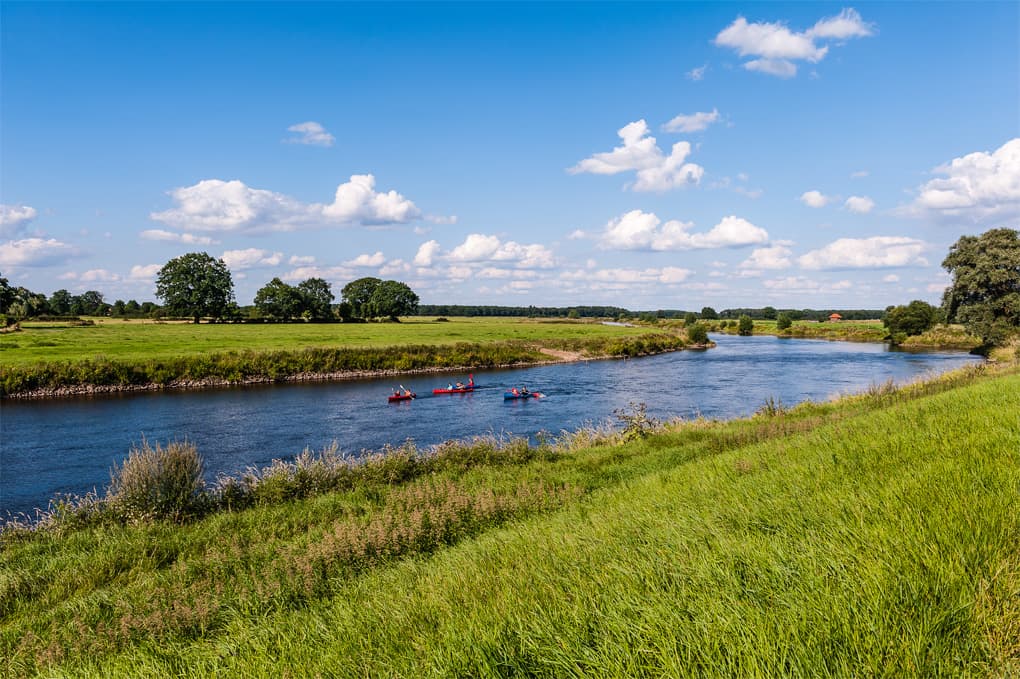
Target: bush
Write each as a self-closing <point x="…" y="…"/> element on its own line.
<point x="697" y="334"/>
<point x="745" y="326"/>
<point x="783" y="321"/>
<point x="159" y="484"/>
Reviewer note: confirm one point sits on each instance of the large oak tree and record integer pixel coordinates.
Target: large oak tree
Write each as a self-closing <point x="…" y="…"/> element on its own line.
<point x="196" y="285"/>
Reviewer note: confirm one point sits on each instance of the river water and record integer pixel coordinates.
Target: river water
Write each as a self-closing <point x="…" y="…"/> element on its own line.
<point x="69" y="445"/>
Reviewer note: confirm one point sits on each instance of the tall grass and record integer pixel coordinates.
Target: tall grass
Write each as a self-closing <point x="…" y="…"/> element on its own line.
<point x="877" y="535"/>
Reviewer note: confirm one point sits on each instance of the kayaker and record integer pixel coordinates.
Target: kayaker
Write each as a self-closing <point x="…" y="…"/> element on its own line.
<point x="460" y="385"/>
<point x="524" y="391"/>
<point x="449" y="385"/>
<point x="515" y="392"/>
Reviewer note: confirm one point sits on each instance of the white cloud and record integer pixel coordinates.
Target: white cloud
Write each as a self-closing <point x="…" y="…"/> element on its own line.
<point x="332" y="274"/>
<point x="172" y="237"/>
<point x="34" y="252"/>
<point x="815" y="199"/>
<point x="479" y="247"/>
<point x="250" y="258"/>
<point x="639" y="153"/>
<point x="891" y="278"/>
<point x="775" y="257"/>
<point x="622" y="276"/>
<point x="216" y="205"/>
<point x="978" y="187"/>
<point x="301" y="260"/>
<point x="496" y="272"/>
<point x="441" y="219"/>
<point x="698" y="73"/>
<point x="98" y="275"/>
<point x="637" y="230"/>
<point x="775" y="47"/>
<point x="144" y="272"/>
<point x="14" y="219"/>
<point x="427" y="253"/>
<point x="695" y="122"/>
<point x="394" y="267"/>
<point x="577" y="234"/>
<point x="310" y="133"/>
<point x="367" y="260"/>
<point x="866" y="253"/>
<point x="860" y="204"/>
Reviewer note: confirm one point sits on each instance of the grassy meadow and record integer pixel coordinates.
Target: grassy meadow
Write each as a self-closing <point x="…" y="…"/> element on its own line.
<point x="57" y="359"/>
<point x="140" y="340"/>
<point x="874" y="536"/>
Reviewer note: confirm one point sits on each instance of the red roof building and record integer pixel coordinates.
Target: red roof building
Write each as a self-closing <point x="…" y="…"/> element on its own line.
<point x="835" y="317"/>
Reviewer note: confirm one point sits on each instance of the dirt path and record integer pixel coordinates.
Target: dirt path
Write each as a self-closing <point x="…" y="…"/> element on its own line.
<point x="562" y="355"/>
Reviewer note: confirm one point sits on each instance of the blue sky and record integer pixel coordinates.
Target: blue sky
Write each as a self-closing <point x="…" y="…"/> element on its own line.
<point x="642" y="155"/>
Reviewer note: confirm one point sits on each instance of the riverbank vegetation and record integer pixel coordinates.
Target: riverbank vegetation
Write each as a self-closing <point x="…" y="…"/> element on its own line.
<point x="132" y="354"/>
<point x="877" y="534"/>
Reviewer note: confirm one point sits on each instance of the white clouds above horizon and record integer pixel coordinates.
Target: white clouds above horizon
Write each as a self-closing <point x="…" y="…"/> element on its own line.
<point x="233" y="207"/>
<point x="815" y="199"/>
<point x="695" y="122"/>
<point x="770" y="258"/>
<point x="14" y="219"/>
<point x="310" y="133"/>
<point x="366" y="260"/>
<point x="637" y="230"/>
<point x="173" y="237"/>
<point x="640" y="154"/>
<point x="775" y="47"/>
<point x="35" y="252"/>
<point x="866" y="253"/>
<point x="250" y="258"/>
<point x="862" y="205"/>
<point x="979" y="186"/>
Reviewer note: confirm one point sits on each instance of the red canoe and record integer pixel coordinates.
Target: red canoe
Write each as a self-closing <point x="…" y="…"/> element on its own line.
<point x="401" y="397"/>
<point x="462" y="390"/>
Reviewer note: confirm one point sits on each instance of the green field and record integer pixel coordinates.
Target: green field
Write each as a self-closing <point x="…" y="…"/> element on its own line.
<point x="146" y="340"/>
<point x="875" y="536"/>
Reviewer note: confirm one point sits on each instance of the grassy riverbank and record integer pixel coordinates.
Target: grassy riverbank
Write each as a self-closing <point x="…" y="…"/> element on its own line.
<point x="875" y="535"/>
<point x="55" y="358"/>
<point x="939" y="337"/>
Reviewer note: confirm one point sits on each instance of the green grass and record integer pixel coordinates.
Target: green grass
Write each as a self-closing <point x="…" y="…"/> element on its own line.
<point x="876" y="536"/>
<point x="145" y="340"/>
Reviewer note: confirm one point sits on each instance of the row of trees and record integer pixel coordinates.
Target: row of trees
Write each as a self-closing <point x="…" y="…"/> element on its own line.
<point x="198" y="285"/>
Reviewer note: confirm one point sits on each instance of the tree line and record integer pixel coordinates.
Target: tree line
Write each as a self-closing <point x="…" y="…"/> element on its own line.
<point x="984" y="296"/>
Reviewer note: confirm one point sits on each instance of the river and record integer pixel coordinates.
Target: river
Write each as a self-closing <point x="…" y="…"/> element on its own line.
<point x="69" y="445"/>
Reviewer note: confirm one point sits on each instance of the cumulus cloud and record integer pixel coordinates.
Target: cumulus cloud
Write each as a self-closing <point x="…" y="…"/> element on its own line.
<point x="775" y="48"/>
<point x="775" y="257"/>
<point x="98" y="276"/>
<point x="250" y="258"/>
<point x="978" y="187"/>
<point x="637" y="230"/>
<point x="329" y="273"/>
<point x="394" y="267"/>
<point x="301" y="260"/>
<point x="623" y="276"/>
<point x="860" y="204"/>
<point x="233" y="206"/>
<point x="695" y="122"/>
<point x="378" y="259"/>
<point x="640" y="154"/>
<point x="866" y="253"/>
<point x="34" y="252"/>
<point x="144" y="272"/>
<point x="173" y="237"/>
<point x="311" y="134"/>
<point x="427" y="253"/>
<point x="14" y="219"/>
<point x="815" y="199"/>
<point x="479" y="247"/>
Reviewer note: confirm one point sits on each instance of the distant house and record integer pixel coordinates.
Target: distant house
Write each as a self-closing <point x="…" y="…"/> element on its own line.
<point x="835" y="317"/>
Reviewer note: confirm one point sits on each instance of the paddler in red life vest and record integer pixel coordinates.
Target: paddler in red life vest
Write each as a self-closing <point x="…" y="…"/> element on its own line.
<point x="515" y="392"/>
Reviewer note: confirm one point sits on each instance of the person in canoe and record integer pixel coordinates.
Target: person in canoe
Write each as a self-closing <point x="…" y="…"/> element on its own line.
<point x="460" y="385"/>
<point x="524" y="391"/>
<point x="515" y="391"/>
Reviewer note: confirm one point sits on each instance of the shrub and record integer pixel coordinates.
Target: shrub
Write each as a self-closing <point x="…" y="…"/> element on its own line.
<point x="159" y="483"/>
<point x="783" y="321"/>
<point x="636" y="422"/>
<point x="745" y="326"/>
<point x="697" y="333"/>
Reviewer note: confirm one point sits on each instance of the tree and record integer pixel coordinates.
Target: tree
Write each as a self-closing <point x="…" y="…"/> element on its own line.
<point x="60" y="303"/>
<point x="690" y="318"/>
<point x="317" y="298"/>
<point x="769" y="313"/>
<point x="783" y="321"/>
<point x="196" y="285"/>
<point x="278" y="300"/>
<point x="911" y="319"/>
<point x="358" y="294"/>
<point x="985" y="293"/>
<point x="745" y="326"/>
<point x="709" y="314"/>
<point x="697" y="333"/>
<point x="393" y="298"/>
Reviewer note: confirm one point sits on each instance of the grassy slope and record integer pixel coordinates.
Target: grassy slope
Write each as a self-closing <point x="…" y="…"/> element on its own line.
<point x="140" y="340"/>
<point x="875" y="537"/>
